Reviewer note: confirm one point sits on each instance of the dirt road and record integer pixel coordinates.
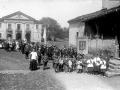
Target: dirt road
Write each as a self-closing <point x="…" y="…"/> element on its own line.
<point x="75" y="81"/>
<point x="14" y="75"/>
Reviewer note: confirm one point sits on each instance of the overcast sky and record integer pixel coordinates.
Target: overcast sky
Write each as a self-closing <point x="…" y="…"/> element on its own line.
<point x="60" y="10"/>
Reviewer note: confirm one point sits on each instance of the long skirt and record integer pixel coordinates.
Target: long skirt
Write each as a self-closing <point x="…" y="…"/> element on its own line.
<point x="102" y="70"/>
<point x="96" y="68"/>
<point x="90" y="69"/>
<point x="66" y="68"/>
<point x="33" y="65"/>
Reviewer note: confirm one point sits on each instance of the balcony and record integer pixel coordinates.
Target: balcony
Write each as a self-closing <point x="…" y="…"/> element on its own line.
<point x="28" y="30"/>
<point x="9" y="29"/>
<point x="18" y="30"/>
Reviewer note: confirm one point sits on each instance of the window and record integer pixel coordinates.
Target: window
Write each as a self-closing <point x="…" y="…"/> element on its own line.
<point x="82" y="45"/>
<point x="18" y="26"/>
<point x="0" y="35"/>
<point x="77" y="34"/>
<point x="9" y="26"/>
<point x="36" y="26"/>
<point x="27" y="26"/>
<point x="0" y="25"/>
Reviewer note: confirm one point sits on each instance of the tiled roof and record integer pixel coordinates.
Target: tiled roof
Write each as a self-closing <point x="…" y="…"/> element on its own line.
<point x="94" y="15"/>
<point x="16" y="13"/>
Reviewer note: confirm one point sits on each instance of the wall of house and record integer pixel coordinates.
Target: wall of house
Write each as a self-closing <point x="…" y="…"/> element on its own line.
<point x="73" y="29"/>
<point x="35" y="33"/>
<point x="3" y="30"/>
<point x="110" y="3"/>
<point x="36" y="36"/>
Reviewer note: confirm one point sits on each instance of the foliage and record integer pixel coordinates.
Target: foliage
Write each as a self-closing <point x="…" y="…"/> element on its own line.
<point x="54" y="30"/>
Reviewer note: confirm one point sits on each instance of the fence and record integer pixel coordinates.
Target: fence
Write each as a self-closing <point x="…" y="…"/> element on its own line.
<point x="101" y="44"/>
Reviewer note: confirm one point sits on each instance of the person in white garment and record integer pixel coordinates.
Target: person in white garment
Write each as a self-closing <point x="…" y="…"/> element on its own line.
<point x="97" y="65"/>
<point x="69" y="64"/>
<point x="33" y="60"/>
<point x="79" y="66"/>
<point x="60" y="64"/>
<point x="90" y="66"/>
<point x="17" y="45"/>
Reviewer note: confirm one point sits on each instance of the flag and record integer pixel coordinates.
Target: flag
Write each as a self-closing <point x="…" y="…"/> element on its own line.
<point x="44" y="35"/>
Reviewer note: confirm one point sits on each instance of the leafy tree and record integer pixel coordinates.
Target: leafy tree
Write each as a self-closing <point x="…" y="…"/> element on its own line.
<point x="54" y="30"/>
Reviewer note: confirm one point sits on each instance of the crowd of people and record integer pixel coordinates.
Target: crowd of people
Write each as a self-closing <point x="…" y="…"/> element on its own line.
<point x="63" y="60"/>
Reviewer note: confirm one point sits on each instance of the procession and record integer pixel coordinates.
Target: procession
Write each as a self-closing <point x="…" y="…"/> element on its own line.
<point x="63" y="60"/>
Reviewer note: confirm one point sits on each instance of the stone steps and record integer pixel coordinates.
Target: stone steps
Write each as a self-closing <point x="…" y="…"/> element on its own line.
<point x="111" y="74"/>
<point x="115" y="62"/>
<point x="114" y="70"/>
<point x="114" y="67"/>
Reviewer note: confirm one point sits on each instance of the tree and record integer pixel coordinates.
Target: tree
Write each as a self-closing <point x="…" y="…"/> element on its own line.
<point x="53" y="28"/>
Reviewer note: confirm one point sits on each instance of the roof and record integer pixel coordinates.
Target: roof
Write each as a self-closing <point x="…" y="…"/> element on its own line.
<point x="16" y="13"/>
<point x="1" y="20"/>
<point x="94" y="15"/>
<point x="37" y="22"/>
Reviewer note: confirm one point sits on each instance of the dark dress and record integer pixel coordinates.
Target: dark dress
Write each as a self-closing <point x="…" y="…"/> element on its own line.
<point x="33" y="65"/>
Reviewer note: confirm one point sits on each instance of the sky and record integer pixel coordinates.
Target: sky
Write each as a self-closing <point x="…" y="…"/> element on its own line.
<point x="60" y="10"/>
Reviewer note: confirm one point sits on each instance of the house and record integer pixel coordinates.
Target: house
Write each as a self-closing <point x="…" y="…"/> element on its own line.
<point x="20" y="26"/>
<point x="103" y="22"/>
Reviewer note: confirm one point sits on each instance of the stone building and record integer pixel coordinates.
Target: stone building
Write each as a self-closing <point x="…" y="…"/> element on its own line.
<point x="20" y="26"/>
<point x="100" y="21"/>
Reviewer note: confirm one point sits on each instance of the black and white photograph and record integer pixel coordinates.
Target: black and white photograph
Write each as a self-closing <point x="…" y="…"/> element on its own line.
<point x="59" y="45"/>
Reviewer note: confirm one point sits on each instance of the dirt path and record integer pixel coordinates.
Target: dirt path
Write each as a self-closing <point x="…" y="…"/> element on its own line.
<point x="14" y="70"/>
<point x="75" y="81"/>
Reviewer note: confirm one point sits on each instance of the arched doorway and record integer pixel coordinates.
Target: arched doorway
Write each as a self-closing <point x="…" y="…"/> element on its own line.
<point x="27" y="35"/>
<point x="9" y="35"/>
<point x="18" y="36"/>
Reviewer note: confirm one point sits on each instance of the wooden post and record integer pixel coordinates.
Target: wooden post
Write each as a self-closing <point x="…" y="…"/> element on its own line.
<point x="116" y="48"/>
<point x="102" y="43"/>
<point x="90" y="41"/>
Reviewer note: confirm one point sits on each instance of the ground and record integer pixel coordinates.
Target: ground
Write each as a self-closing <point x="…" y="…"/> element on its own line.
<point x="15" y="75"/>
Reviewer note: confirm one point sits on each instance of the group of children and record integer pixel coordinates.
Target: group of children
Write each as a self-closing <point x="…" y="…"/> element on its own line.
<point x="94" y="65"/>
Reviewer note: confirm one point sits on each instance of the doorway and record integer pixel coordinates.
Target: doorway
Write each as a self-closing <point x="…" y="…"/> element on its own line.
<point x="18" y="36"/>
<point x="9" y="35"/>
<point x="27" y="35"/>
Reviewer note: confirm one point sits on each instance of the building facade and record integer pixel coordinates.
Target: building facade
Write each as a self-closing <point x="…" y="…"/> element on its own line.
<point x="87" y="23"/>
<point x="19" y="26"/>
